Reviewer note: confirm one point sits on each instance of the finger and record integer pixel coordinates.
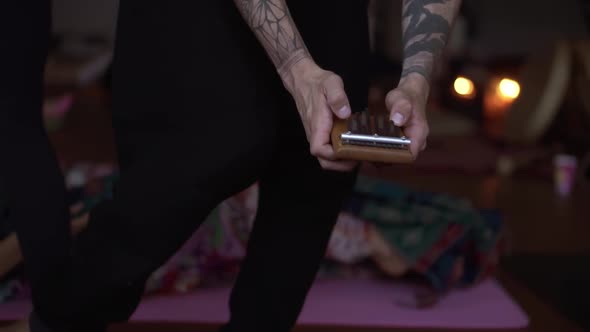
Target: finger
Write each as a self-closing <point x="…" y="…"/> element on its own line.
<point x="323" y="151"/>
<point x="416" y="145"/>
<point x="417" y="134"/>
<point x="399" y="106"/>
<point x="339" y="166"/>
<point x="321" y="128"/>
<point x="326" y="157"/>
<point x="336" y="97"/>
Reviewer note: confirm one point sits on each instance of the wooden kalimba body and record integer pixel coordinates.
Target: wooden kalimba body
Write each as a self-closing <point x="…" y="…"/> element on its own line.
<point x="372" y="137"/>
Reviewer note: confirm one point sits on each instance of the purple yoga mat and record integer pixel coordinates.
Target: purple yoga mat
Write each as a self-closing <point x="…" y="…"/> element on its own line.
<point x="366" y="303"/>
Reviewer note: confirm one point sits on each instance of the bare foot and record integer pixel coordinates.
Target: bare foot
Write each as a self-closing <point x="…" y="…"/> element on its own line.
<point x="22" y="326"/>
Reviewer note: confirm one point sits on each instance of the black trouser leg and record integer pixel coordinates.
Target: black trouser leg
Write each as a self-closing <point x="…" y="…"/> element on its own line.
<point x="199" y="114"/>
<point x="30" y="178"/>
<point x="298" y="207"/>
<point x="299" y="202"/>
<point x="188" y="135"/>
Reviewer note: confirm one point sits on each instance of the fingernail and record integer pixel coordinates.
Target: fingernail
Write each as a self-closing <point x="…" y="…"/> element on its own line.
<point x="344" y="111"/>
<point x="397" y="119"/>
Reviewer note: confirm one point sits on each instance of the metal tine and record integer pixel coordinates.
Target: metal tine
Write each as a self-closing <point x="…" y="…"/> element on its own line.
<point x="364" y="123"/>
<point x="397" y="130"/>
<point x="353" y="125"/>
<point x="388" y="130"/>
<point x="381" y="125"/>
<point x="374" y="126"/>
<point x="392" y="130"/>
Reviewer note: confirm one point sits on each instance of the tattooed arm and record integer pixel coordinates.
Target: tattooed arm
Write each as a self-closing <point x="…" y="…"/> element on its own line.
<point x="271" y="21"/>
<point x="318" y="94"/>
<point x="426" y="25"/>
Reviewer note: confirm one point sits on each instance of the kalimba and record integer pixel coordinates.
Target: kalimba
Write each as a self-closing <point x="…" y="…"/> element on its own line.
<point x="373" y="137"/>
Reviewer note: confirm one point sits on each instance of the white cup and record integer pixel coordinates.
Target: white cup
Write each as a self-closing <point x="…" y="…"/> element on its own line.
<point x="564" y="172"/>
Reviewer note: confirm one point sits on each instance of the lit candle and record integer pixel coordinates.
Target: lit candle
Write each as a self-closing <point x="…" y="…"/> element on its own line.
<point x="500" y="94"/>
<point x="464" y="87"/>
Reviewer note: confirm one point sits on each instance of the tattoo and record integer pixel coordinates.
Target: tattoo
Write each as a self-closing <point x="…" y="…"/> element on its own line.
<point x="426" y="25"/>
<point x="272" y="23"/>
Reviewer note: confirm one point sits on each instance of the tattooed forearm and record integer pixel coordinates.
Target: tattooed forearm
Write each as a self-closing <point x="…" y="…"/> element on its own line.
<point x="272" y="23"/>
<point x="426" y="25"/>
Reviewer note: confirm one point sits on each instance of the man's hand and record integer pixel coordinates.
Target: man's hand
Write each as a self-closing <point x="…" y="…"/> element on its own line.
<point x="406" y="105"/>
<point x="426" y="25"/>
<point x="319" y="96"/>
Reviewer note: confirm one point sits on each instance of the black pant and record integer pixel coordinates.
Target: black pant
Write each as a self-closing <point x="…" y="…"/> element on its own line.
<point x="31" y="183"/>
<point x="200" y="114"/>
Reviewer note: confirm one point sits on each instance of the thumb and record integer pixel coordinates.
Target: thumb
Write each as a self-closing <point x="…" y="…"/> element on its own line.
<point x="336" y="97"/>
<point x="400" y="107"/>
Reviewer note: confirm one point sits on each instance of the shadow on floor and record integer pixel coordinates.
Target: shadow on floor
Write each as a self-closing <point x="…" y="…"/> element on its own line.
<point x="561" y="280"/>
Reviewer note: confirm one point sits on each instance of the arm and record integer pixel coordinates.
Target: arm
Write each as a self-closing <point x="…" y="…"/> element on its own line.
<point x="318" y="94"/>
<point x="272" y="24"/>
<point x="426" y="25"/>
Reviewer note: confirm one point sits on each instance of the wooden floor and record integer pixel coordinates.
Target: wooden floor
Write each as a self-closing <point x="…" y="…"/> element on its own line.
<point x="540" y="223"/>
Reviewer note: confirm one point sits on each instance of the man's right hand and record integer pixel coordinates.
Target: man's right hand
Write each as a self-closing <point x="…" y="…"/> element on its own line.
<point x="319" y="95"/>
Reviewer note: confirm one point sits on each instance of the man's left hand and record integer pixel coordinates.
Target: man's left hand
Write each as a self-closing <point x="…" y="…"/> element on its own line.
<point x="407" y="104"/>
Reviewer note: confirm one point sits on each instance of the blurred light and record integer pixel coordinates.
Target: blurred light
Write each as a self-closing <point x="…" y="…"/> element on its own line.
<point x="508" y="88"/>
<point x="500" y="94"/>
<point x="464" y="87"/>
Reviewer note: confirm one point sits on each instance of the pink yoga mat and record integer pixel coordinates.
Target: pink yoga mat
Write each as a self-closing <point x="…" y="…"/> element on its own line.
<point x="365" y="303"/>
